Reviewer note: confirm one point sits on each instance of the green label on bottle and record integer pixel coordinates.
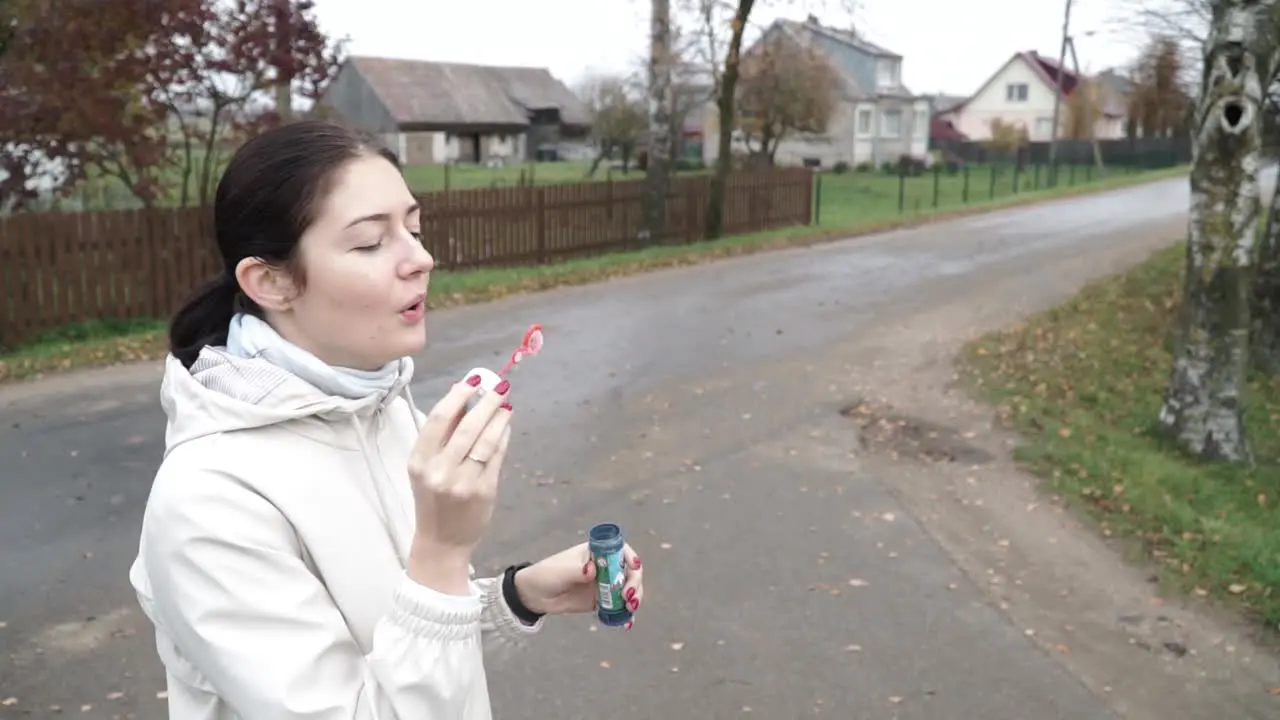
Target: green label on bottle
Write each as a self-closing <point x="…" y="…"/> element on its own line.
<point x="610" y="579"/>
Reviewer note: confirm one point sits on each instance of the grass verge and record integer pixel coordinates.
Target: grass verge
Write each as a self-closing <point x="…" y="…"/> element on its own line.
<point x="1083" y="383"/>
<point x="111" y="342"/>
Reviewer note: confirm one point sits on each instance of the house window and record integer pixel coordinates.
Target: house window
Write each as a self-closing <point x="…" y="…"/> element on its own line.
<point x="1044" y="127"/>
<point x="864" y="122"/>
<point x="1015" y="92"/>
<point x="887" y="72"/>
<point x="891" y="124"/>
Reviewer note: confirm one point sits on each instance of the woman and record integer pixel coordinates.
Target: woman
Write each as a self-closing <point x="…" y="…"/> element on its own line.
<point x="306" y="547"/>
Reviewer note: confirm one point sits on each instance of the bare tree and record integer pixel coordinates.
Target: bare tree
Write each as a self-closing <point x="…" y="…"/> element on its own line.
<point x="1158" y="102"/>
<point x="785" y="89"/>
<point x="1007" y="138"/>
<point x="618" y="117"/>
<point x="1203" y="408"/>
<point x="723" y="28"/>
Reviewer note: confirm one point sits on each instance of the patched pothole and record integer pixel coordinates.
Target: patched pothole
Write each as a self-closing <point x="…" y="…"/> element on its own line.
<point x="913" y="438"/>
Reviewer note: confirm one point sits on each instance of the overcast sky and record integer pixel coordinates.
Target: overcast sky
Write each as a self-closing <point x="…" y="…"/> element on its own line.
<point x="947" y="46"/>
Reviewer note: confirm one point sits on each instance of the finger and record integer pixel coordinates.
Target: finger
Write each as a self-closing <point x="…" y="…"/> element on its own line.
<point x="487" y="480"/>
<point x="474" y="423"/>
<point x="443" y="417"/>
<point x="489" y="444"/>
<point x="472" y="381"/>
<point x="633" y="589"/>
<point x="583" y="557"/>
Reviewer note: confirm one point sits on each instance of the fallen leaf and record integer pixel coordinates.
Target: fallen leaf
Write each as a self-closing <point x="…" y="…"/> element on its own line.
<point x="1064" y="432"/>
<point x="895" y="699"/>
<point x="1273" y="691"/>
<point x="677" y="646"/>
<point x="675" y="669"/>
<point x="1062" y="648"/>
<point x="1236" y="588"/>
<point x="853" y="648"/>
<point x="605" y="664"/>
<point x="859" y="582"/>
<point x="115" y="695"/>
<point x="888" y="517"/>
<point x="665" y="546"/>
<point x="9" y="701"/>
<point x="162" y="695"/>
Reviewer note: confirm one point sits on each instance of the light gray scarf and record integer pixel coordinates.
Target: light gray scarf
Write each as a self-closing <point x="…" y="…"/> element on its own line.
<point x="250" y="337"/>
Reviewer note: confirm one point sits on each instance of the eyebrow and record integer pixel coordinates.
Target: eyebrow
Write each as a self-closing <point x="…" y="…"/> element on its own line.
<point x="382" y="217"/>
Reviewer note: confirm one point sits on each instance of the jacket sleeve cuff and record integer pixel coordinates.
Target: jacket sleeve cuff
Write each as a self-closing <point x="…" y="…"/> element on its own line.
<point x="423" y="611"/>
<point x="497" y="613"/>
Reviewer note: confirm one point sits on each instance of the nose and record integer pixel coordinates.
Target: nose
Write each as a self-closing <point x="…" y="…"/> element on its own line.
<point x="419" y="261"/>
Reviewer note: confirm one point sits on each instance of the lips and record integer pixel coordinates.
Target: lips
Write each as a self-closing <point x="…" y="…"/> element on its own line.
<point x="417" y="301"/>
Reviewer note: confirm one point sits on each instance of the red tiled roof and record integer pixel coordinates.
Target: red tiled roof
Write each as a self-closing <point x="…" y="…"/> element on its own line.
<point x="1052" y="73"/>
<point x="943" y="129"/>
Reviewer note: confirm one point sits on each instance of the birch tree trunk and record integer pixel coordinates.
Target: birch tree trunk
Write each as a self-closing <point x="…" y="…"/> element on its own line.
<point x="658" y="174"/>
<point x="1264" y="344"/>
<point x="1203" y="409"/>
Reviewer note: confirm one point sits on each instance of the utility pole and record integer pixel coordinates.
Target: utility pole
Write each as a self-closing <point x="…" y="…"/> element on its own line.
<point x="1094" y="99"/>
<point x="658" y="173"/>
<point x="1057" y="96"/>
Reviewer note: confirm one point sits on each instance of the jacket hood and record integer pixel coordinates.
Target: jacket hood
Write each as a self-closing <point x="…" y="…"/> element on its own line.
<point x="222" y="392"/>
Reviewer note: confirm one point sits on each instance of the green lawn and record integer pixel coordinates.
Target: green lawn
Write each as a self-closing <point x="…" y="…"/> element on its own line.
<point x="1083" y="383"/>
<point x="849" y="203"/>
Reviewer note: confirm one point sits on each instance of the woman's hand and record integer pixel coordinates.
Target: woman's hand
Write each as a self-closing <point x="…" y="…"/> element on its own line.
<point x="454" y="469"/>
<point x="566" y="582"/>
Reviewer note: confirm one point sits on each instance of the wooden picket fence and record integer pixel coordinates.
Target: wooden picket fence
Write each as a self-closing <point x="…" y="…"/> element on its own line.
<point x="59" y="269"/>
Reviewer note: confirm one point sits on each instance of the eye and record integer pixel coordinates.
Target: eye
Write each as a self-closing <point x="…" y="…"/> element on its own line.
<point x="417" y="235"/>
<point x="370" y="248"/>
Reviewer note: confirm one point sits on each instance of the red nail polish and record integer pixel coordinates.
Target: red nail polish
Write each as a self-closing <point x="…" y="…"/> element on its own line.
<point x="503" y="387"/>
<point x="635" y="605"/>
<point x="473" y="381"/>
<point x="586" y="569"/>
<point x="630" y="624"/>
<point x="506" y="406"/>
<point x="636" y="563"/>
<point x="631" y="593"/>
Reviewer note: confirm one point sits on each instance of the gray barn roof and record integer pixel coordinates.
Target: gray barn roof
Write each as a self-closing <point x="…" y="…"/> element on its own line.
<point x="422" y="92"/>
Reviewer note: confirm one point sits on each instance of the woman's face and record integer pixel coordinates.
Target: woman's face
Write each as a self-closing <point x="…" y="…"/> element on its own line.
<point x="364" y="301"/>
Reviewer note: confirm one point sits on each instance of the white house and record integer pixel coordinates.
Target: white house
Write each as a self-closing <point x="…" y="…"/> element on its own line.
<point x="876" y="119"/>
<point x="1022" y="92"/>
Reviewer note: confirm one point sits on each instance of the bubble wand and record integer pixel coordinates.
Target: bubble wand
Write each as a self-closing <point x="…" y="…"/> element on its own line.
<point x="530" y="345"/>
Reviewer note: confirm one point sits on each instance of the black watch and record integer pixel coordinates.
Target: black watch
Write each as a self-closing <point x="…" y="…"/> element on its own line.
<point x="509" y="594"/>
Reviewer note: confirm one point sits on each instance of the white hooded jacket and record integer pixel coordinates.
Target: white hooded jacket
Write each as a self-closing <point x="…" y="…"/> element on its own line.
<point x="273" y="550"/>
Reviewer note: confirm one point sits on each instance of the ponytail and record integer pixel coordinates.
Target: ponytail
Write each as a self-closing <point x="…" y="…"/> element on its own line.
<point x="203" y="319"/>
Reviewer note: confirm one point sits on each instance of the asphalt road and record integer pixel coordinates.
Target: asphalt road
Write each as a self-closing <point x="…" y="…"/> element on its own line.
<point x="693" y="406"/>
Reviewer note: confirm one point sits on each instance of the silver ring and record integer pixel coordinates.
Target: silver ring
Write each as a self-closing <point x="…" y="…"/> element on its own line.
<point x="473" y="458"/>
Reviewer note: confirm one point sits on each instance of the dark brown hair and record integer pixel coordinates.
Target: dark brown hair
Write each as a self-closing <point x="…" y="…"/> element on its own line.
<point x="266" y="199"/>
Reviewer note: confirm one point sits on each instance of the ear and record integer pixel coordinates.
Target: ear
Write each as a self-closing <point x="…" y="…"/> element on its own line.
<point x="270" y="287"/>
